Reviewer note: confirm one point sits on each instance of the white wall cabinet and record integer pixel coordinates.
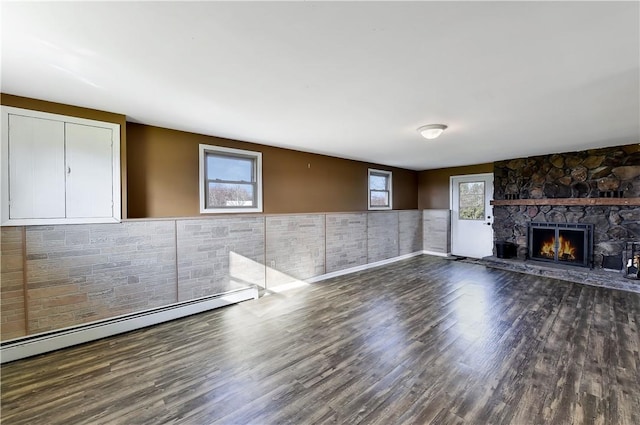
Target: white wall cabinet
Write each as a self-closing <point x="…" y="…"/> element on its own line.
<point x="58" y="169"/>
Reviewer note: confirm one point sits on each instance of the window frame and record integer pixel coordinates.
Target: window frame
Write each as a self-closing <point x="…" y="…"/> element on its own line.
<point x="380" y="173"/>
<point x="229" y="152"/>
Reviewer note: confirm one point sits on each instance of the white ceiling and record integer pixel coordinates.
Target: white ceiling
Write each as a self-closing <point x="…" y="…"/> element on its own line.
<point x="348" y="79"/>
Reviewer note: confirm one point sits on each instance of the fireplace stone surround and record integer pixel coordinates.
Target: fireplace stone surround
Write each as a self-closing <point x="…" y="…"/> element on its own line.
<point x="569" y="188"/>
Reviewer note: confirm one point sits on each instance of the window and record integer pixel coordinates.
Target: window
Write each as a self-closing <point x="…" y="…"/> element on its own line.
<point x="379" y="189"/>
<point x="471" y="201"/>
<point x="230" y="180"/>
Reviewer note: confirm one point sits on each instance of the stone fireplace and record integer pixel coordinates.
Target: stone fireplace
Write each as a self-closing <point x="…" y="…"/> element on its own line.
<point x="599" y="188"/>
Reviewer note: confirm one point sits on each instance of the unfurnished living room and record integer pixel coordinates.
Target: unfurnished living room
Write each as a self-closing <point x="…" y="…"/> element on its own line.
<point x="320" y="212"/>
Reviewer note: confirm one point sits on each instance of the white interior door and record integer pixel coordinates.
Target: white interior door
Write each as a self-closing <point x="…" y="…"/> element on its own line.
<point x="472" y="215"/>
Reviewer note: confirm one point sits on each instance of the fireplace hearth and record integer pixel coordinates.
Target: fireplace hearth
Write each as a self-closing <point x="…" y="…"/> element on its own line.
<point x="561" y="243"/>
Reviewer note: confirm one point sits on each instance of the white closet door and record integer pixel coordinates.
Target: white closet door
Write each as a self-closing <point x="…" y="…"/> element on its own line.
<point x="36" y="168"/>
<point x="89" y="171"/>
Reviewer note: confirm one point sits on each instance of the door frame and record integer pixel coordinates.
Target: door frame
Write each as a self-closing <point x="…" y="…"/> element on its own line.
<point x="451" y="218"/>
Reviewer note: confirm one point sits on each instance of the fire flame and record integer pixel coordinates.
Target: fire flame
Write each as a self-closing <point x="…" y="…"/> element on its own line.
<point x="566" y="251"/>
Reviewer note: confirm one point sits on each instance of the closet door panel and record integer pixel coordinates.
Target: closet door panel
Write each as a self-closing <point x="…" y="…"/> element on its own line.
<point x="89" y="182"/>
<point x="36" y="168"/>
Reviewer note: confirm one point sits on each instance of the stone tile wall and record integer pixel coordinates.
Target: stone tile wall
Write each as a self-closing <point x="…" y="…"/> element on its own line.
<point x="346" y="241"/>
<point x="12" y="314"/>
<point x="436" y="231"/>
<point x="217" y="255"/>
<point x="82" y="273"/>
<point x="410" y="231"/>
<point x="382" y="236"/>
<point x="296" y="248"/>
<point x="77" y="274"/>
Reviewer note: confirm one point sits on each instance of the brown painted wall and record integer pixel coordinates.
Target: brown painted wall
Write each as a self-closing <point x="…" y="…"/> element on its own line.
<point x="433" y="185"/>
<point x="163" y="177"/>
<point x="76" y="111"/>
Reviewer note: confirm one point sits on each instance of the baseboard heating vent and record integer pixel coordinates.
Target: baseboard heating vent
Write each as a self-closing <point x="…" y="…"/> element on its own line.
<point x="41" y="343"/>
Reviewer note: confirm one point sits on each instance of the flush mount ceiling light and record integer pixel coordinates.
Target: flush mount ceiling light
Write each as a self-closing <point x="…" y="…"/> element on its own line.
<point x="431" y="131"/>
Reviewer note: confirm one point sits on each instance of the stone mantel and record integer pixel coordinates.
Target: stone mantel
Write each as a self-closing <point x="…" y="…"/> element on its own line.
<point x="569" y="201"/>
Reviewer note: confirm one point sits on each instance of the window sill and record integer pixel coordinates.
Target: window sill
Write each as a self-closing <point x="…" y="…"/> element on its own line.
<point x="230" y="210"/>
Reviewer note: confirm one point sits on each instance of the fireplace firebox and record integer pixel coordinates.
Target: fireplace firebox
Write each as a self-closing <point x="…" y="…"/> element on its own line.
<point x="561" y="243"/>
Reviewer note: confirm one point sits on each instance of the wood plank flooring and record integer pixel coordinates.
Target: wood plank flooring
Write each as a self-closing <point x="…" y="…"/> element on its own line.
<point x="421" y="341"/>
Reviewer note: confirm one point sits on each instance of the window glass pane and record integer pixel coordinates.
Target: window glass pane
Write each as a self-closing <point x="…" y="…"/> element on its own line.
<point x="220" y="167"/>
<point x="379" y="189"/>
<point x="231" y="180"/>
<point x="379" y="198"/>
<point x="221" y="195"/>
<point x="471" y="197"/>
<point x="377" y="182"/>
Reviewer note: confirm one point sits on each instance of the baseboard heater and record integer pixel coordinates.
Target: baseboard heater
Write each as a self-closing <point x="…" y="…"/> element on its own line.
<point x="41" y="343"/>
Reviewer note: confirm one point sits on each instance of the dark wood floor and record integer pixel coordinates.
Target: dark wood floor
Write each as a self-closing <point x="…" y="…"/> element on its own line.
<point x="420" y="341"/>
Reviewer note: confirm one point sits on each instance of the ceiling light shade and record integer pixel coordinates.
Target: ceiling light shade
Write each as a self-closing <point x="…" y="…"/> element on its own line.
<point x="431" y="131"/>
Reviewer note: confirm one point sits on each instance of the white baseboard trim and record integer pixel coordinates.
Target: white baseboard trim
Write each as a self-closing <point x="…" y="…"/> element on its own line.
<point x="437" y="254"/>
<point x="38" y="344"/>
<point x="362" y="267"/>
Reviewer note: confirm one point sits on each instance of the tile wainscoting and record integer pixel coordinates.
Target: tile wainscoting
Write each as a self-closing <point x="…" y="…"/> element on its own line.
<point x="61" y="276"/>
<point x="437" y="232"/>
